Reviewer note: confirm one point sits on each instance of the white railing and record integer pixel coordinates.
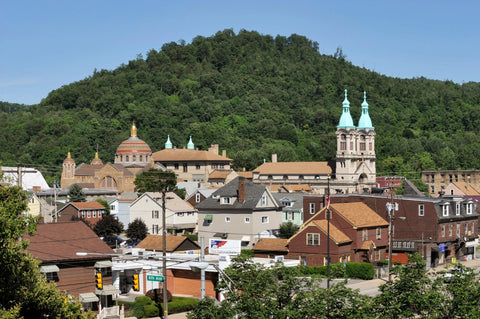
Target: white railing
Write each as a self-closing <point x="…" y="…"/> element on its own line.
<point x="111" y="311"/>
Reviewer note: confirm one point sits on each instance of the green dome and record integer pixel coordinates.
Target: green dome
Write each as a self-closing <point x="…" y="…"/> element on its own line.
<point x="365" y="122"/>
<point x="346" y="120"/>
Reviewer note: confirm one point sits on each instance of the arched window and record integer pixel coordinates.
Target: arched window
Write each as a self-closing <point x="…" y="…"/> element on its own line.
<point x="343" y="142"/>
<point x="108" y="182"/>
<point x="362" y="143"/>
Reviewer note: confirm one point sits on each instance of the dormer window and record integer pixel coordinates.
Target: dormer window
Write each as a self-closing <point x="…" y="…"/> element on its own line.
<point x="469" y="208"/>
<point x="226" y="200"/>
<point x="445" y="210"/>
<point x="264" y="201"/>
<point x="457" y="209"/>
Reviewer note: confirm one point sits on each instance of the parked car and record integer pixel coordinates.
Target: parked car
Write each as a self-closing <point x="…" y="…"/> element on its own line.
<point x="113" y="241"/>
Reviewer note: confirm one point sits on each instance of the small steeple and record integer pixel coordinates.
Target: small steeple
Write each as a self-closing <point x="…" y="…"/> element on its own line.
<point x="168" y="143"/>
<point x="365" y="122"/>
<point x="133" y="130"/>
<point x="96" y="160"/>
<point x="346" y="120"/>
<point x="69" y="155"/>
<point x="190" y="145"/>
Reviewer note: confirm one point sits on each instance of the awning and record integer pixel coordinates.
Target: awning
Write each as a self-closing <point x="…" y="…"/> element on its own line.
<point x="107" y="290"/>
<point x="49" y="268"/>
<point x="88" y="297"/>
<point x="471" y="243"/>
<point x="103" y="264"/>
<point x="208" y="217"/>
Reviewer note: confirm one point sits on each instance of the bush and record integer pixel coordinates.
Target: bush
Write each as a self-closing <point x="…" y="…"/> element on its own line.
<point x="360" y="271"/>
<point x="151" y="311"/>
<point x="140" y="306"/>
<point x="182" y="304"/>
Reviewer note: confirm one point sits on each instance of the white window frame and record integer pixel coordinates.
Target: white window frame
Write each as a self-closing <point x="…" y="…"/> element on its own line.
<point x="289" y="215"/>
<point x="365" y="234"/>
<point x="457" y="209"/>
<point x="197" y="198"/>
<point x="313" y="239"/>
<point x="421" y="210"/>
<point x="445" y="210"/>
<point x="379" y="233"/>
<point x="226" y="200"/>
<point x="154" y="229"/>
<point x="264" y="200"/>
<point x="228" y="219"/>
<point x="155" y="214"/>
<point x="469" y="208"/>
<point x="265" y="219"/>
<point x="247" y="220"/>
<point x="312" y="208"/>
<point x="89" y="214"/>
<point x="94" y="214"/>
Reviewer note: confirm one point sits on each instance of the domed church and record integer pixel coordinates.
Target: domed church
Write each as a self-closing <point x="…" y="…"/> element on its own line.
<point x="133" y="156"/>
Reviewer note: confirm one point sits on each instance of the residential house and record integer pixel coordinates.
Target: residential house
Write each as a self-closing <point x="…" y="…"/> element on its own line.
<point x="34" y="205"/>
<point x="354" y="232"/>
<point x="120" y="207"/>
<point x="463" y="189"/>
<point x="91" y="212"/>
<point x="272" y="248"/>
<point x="28" y="178"/>
<point x="220" y="177"/>
<point x="180" y="216"/>
<point x="438" y="228"/>
<point x="241" y="211"/>
<point x="292" y="207"/>
<point x="56" y="246"/>
<point x="190" y="164"/>
<point x="200" y="195"/>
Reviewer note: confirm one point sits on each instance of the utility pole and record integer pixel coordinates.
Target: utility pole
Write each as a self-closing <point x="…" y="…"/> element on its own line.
<point x="164" y="249"/>
<point x="55" y="199"/>
<point x="327" y="212"/>
<point x="391" y="212"/>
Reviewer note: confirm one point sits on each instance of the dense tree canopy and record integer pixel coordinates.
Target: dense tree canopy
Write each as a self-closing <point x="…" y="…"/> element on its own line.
<point x="252" y="94"/>
<point x="137" y="229"/>
<point x="76" y="194"/>
<point x="24" y="291"/>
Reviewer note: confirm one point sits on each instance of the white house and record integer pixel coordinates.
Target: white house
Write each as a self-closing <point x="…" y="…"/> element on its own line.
<point x="180" y="216"/>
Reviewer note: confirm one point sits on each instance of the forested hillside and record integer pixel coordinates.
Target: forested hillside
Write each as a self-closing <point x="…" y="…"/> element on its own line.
<point x="252" y="94"/>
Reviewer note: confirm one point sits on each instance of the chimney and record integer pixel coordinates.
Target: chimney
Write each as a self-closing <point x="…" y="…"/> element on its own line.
<point x="224" y="153"/>
<point x="241" y="189"/>
<point x="214" y="149"/>
<point x="274" y="158"/>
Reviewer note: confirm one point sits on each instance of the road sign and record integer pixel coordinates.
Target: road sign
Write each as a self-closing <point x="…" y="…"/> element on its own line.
<point x="155" y="278"/>
<point x="454" y="260"/>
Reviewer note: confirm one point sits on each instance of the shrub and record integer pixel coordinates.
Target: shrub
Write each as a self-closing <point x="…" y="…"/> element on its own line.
<point x="182" y="304"/>
<point x="350" y="270"/>
<point x="360" y="271"/>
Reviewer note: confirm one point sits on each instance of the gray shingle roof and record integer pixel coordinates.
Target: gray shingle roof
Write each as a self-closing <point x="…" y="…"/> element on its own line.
<point x="253" y="193"/>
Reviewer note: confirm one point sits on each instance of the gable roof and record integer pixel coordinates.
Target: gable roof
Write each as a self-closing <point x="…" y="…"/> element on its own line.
<point x="248" y="174"/>
<point x="189" y="155"/>
<point x="155" y="242"/>
<point x="172" y="202"/>
<point x="60" y="242"/>
<point x="271" y="244"/>
<point x="359" y="215"/>
<point x="336" y="234"/>
<point x="88" y="205"/>
<point x="301" y="168"/>
<point x="466" y="188"/>
<point x="253" y="193"/>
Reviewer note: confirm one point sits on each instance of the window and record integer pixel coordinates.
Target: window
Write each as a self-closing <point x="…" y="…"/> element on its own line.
<point x="451" y="192"/>
<point x="469" y="208"/>
<point x="89" y="214"/>
<point x="83" y="214"/>
<point x="450" y="230"/>
<point x="343" y="142"/>
<point x="264" y="201"/>
<point x="197" y="166"/>
<point x="445" y="210"/>
<point x="94" y="214"/>
<point x="458" y="230"/>
<point x="432" y="189"/>
<point x="228" y="219"/>
<point x="362" y="143"/>
<point x="127" y="158"/>
<point x="289" y="215"/>
<point x="313" y="239"/>
<point x="443" y="230"/>
<point x="155" y="214"/>
<point x="247" y="220"/>
<point x="226" y="200"/>
<point x="312" y="208"/>
<point x="433" y="178"/>
<point x="175" y="165"/>
<point x="457" y="209"/>
<point x="264" y="219"/>
<point x="180" y="214"/>
<point x="134" y="158"/>
<point x="365" y="234"/>
<point x="285" y="176"/>
<point x="197" y="198"/>
<point x="154" y="229"/>
<point x="379" y="233"/>
<point x="112" y="207"/>
<point x="185" y="167"/>
<point x="421" y="210"/>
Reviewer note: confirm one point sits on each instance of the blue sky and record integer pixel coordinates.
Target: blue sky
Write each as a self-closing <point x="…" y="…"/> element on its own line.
<point x="46" y="44"/>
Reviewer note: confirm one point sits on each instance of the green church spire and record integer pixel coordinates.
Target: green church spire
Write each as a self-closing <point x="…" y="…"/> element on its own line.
<point x="168" y="143"/>
<point x="365" y="122"/>
<point x="190" y="145"/>
<point x="346" y="119"/>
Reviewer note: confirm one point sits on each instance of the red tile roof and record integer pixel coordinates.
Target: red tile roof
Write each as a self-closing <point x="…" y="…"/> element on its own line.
<point x="88" y="205"/>
<point x="60" y="242"/>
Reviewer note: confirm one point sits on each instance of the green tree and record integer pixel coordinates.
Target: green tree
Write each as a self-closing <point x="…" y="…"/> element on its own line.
<point x="108" y="226"/>
<point x="155" y="180"/>
<point x="105" y="204"/>
<point x="76" y="194"/>
<point x="24" y="291"/>
<point x="137" y="229"/>
<point x="288" y="229"/>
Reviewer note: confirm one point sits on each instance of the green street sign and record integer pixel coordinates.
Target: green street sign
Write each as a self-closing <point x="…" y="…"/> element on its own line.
<point x="155" y="278"/>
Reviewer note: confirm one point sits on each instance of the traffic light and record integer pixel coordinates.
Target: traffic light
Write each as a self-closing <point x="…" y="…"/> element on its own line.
<point x="98" y="280"/>
<point x="136" y="284"/>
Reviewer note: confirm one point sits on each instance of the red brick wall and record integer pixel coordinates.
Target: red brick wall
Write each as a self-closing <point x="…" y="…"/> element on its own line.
<point x="186" y="282"/>
<point x="77" y="280"/>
